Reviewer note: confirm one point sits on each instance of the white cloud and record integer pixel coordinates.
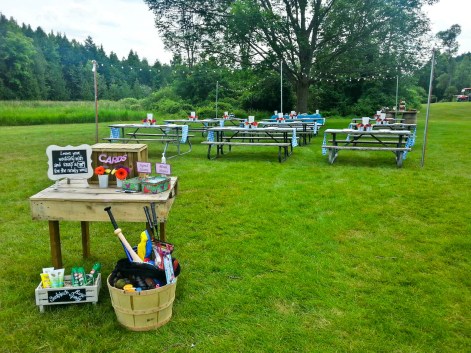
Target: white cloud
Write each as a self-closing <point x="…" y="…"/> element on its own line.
<point x="446" y="13"/>
<point x="118" y="25"/>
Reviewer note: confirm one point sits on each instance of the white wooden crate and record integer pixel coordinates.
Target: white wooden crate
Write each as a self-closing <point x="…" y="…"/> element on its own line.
<point x="67" y="294"/>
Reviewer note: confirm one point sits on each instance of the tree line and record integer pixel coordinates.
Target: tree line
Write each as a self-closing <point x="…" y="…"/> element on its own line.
<point x="35" y="65"/>
<point x="360" y="79"/>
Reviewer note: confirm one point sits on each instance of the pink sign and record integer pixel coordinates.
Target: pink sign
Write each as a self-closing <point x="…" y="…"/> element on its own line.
<point x="161" y="168"/>
<point x="144" y="167"/>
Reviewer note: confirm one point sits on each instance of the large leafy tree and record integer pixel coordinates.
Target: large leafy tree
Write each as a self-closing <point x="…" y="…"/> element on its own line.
<point x="310" y="39"/>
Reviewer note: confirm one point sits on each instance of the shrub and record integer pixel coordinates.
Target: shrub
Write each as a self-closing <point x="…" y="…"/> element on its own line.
<point x="168" y="106"/>
<point x="131" y="103"/>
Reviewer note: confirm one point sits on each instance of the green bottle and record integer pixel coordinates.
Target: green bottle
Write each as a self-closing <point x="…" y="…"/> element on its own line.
<point x="95" y="271"/>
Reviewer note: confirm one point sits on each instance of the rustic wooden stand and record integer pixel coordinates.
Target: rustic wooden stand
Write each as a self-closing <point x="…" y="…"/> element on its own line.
<point x="80" y="201"/>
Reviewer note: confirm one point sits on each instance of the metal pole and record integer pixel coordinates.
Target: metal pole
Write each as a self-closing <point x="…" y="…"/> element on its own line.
<point x="96" y="100"/>
<point x="281" y="86"/>
<point x="217" y="89"/>
<point x="428" y="107"/>
<point x="397" y="93"/>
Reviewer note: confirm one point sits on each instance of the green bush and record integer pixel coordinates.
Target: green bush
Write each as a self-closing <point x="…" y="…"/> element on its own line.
<point x="168" y="106"/>
<point x="132" y="103"/>
<point x="151" y="102"/>
<point x="224" y="107"/>
<point x="206" y="112"/>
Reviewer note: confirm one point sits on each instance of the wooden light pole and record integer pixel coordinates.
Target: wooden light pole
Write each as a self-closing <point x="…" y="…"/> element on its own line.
<point x="94" y="69"/>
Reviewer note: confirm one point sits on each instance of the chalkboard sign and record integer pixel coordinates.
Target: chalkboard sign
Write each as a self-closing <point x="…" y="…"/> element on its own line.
<point x="73" y="162"/>
<point x="67" y="295"/>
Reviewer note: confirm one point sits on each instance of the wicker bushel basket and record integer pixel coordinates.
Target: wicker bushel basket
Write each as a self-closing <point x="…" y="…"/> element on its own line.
<point x="145" y="310"/>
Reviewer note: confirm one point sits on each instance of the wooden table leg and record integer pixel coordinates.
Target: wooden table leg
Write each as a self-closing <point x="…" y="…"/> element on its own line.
<point x="163" y="236"/>
<point x="85" y="239"/>
<point x="55" y="243"/>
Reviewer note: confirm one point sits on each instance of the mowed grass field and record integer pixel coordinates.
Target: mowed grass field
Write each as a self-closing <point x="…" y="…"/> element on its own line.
<point x="300" y="256"/>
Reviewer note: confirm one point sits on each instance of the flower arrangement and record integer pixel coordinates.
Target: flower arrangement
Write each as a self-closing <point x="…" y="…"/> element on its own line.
<point x="149" y="121"/>
<point x="253" y="124"/>
<point x="101" y="170"/>
<point x="121" y="173"/>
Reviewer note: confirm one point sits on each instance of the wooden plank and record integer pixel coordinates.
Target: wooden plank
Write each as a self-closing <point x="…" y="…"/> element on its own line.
<point x="365" y="148"/>
<point x="373" y="132"/>
<point x="250" y="138"/>
<point x="137" y="139"/>
<point x="364" y="141"/>
<point x="82" y="202"/>
<point x="168" y="135"/>
<point x="278" y="144"/>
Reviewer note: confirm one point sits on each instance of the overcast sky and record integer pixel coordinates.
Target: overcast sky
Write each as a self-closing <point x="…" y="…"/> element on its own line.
<point x="122" y="25"/>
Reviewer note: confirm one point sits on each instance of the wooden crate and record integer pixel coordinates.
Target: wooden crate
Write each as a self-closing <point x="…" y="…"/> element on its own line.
<point x="67" y="294"/>
<point x="134" y="152"/>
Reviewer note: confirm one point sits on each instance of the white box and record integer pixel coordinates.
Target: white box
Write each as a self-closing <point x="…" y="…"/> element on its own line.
<point x="67" y="294"/>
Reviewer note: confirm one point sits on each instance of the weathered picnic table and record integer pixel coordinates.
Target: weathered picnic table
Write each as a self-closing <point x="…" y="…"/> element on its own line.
<point x="395" y="141"/>
<point x="305" y="129"/>
<point x="282" y="138"/>
<point x="166" y="134"/>
<point x="202" y="125"/>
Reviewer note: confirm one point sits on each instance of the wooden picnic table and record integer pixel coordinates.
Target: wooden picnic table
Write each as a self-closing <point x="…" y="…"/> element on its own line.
<point x="395" y="141"/>
<point x="255" y="137"/>
<point x="202" y="125"/>
<point x="164" y="133"/>
<point x="80" y="201"/>
<point x="305" y="129"/>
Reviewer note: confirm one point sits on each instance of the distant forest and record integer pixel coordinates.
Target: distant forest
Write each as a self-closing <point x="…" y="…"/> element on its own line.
<point x="35" y="65"/>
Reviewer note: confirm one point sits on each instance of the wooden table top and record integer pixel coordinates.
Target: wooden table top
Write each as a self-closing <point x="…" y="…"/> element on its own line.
<point x="371" y="132"/>
<point x="80" y="201"/>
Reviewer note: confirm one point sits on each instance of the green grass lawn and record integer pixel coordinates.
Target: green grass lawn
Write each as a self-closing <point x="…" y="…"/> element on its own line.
<point x="300" y="256"/>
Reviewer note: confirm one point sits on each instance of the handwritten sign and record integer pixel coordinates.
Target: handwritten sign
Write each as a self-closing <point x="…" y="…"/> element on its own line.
<point x="67" y="295"/>
<point x="73" y="162"/>
<point x="144" y="167"/>
<point x="162" y="168"/>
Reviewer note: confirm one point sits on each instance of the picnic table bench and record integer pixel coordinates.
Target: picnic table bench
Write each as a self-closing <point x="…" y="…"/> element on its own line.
<point x="255" y="137"/>
<point x="395" y="141"/>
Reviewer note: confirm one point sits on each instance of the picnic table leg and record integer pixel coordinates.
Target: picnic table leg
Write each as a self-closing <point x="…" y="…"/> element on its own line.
<point x="85" y="239"/>
<point x="279" y="154"/>
<point x="399" y="158"/>
<point x="55" y="243"/>
<point x="209" y="151"/>
<point x="332" y="155"/>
